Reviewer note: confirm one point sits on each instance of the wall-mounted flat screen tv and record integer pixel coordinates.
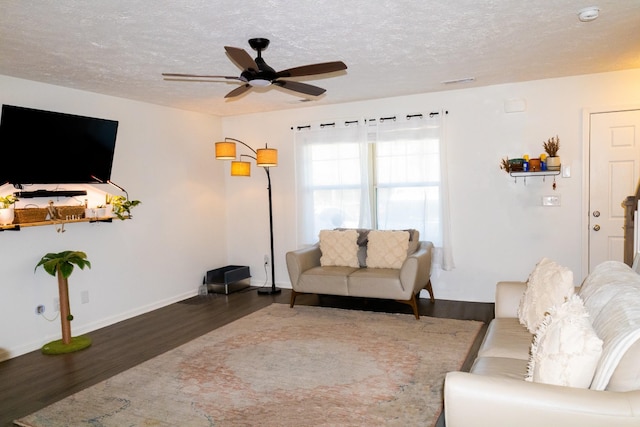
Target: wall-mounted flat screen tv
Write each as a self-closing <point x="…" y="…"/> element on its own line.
<point x="46" y="147"/>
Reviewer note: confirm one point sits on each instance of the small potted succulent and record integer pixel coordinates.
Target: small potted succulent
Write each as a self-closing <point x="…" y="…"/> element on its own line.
<point x="551" y="147"/>
<point x="7" y="212"/>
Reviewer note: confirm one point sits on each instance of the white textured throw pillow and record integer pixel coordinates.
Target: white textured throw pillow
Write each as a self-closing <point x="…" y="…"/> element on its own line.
<point x="339" y="248"/>
<point x="549" y="284"/>
<point x="565" y="349"/>
<point x="387" y="249"/>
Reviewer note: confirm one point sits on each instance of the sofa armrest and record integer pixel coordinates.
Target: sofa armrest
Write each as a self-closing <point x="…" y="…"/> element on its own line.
<point x="477" y="400"/>
<point x="301" y="260"/>
<point x="508" y="296"/>
<point x="415" y="272"/>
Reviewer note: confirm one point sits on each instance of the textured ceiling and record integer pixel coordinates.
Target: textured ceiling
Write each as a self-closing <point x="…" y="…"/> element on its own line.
<point x="391" y="48"/>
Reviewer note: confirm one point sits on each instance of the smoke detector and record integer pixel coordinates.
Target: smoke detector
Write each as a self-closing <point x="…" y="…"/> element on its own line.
<point x="588" y="14"/>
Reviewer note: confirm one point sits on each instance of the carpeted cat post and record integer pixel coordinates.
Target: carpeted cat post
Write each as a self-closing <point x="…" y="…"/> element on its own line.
<point x="61" y="265"/>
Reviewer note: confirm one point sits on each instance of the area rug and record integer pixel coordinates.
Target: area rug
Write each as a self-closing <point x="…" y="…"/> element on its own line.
<point x="281" y="366"/>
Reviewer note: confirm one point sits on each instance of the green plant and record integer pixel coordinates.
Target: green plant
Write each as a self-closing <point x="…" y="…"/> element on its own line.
<point x="6" y="201"/>
<point x="61" y="265"/>
<point x="122" y="206"/>
<point x="552" y="146"/>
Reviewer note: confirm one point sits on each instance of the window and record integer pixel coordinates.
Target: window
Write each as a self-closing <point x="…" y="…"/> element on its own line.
<point x="384" y="175"/>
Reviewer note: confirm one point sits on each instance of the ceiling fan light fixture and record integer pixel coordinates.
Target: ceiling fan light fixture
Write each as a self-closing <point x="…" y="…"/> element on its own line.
<point x="259" y="82"/>
<point x="588" y="14"/>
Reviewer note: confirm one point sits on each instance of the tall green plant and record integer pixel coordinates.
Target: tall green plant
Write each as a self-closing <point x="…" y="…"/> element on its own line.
<point x="61" y="265"/>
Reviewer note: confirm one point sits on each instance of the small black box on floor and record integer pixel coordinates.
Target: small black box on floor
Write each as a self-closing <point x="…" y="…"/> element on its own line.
<point x="227" y="279"/>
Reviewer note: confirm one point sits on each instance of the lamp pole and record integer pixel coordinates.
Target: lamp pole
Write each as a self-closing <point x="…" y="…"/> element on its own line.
<point x="273" y="289"/>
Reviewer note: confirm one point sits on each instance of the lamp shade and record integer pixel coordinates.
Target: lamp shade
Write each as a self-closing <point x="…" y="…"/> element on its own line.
<point x="240" y="168"/>
<point x="225" y="150"/>
<point x="266" y="157"/>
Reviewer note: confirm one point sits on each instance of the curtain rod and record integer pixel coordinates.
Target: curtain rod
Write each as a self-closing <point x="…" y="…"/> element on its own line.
<point x="382" y="119"/>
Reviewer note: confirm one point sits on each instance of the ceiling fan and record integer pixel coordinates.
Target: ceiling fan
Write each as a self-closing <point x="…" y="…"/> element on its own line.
<point x="256" y="72"/>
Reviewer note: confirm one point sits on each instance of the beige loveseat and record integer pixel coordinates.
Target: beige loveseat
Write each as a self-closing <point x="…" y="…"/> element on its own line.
<point x="495" y="392"/>
<point x="402" y="284"/>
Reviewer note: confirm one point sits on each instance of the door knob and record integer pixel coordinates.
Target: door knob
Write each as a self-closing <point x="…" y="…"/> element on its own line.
<point x="596" y="227"/>
<point x="596" y="214"/>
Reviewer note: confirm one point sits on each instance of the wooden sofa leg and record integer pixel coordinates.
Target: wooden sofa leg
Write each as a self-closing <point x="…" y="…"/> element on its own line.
<point x="294" y="294"/>
<point x="429" y="289"/>
<point x="413" y="302"/>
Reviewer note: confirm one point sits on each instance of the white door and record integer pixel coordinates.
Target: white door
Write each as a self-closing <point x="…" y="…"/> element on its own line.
<point x="614" y="169"/>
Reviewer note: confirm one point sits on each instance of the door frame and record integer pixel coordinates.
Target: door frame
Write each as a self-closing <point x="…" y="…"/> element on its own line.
<point x="586" y="157"/>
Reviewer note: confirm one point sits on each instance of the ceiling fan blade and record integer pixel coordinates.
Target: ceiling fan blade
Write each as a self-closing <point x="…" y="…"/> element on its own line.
<point x="238" y="91"/>
<point x="187" y="77"/>
<point x="313" y="69"/>
<point x="241" y="58"/>
<point x="300" y="87"/>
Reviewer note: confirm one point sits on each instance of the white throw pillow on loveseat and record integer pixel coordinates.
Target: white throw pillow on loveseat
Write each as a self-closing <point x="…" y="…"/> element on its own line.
<point x="565" y="350"/>
<point x="387" y="249"/>
<point x="339" y="248"/>
<point x="549" y="285"/>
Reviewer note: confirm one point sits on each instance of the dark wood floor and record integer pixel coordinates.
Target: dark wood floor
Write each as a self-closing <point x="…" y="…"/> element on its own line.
<point x="32" y="381"/>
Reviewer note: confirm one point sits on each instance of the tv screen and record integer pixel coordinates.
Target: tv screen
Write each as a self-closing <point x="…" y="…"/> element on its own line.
<point x="46" y="147"/>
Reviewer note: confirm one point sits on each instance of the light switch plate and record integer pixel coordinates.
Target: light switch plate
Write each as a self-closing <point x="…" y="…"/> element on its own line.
<point x="550" y="200"/>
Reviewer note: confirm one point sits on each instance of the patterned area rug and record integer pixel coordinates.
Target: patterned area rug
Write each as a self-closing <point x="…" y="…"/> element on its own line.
<point x="281" y="366"/>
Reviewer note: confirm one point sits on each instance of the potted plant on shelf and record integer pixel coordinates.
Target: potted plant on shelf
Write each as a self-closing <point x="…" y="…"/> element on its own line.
<point x="551" y="147"/>
<point x="61" y="265"/>
<point x="122" y="206"/>
<point x="7" y="213"/>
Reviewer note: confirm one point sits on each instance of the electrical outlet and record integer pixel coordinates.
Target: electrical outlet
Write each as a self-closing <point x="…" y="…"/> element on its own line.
<point x="56" y="304"/>
<point x="84" y="297"/>
<point x="40" y="309"/>
<point x="266" y="259"/>
<point x="550" y="200"/>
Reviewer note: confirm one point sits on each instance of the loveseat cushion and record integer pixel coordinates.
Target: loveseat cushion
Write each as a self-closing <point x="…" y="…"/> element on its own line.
<point x="377" y="283"/>
<point x="506" y="338"/>
<point x="325" y="280"/>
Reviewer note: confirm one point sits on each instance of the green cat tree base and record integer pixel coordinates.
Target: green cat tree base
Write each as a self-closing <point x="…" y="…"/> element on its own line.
<point x="58" y="347"/>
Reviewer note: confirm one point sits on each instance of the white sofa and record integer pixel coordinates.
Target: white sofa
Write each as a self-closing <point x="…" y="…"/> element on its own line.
<point x="496" y="394"/>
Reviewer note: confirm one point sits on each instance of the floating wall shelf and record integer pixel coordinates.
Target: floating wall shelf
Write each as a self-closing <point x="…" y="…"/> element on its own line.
<point x="18" y="227"/>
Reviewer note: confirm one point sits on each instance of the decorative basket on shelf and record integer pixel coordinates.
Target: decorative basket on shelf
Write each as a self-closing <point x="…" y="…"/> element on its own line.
<point x="27" y="215"/>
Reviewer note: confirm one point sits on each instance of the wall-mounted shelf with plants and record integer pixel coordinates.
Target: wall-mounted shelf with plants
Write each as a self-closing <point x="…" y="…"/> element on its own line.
<point x="547" y="164"/>
<point x="58" y="216"/>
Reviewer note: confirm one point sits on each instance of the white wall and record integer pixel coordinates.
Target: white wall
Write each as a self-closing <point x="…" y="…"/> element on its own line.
<point x="195" y="217"/>
<point x="500" y="228"/>
<point x="164" y="157"/>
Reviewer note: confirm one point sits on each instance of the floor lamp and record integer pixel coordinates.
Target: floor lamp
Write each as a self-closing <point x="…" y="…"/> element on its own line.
<point x="264" y="157"/>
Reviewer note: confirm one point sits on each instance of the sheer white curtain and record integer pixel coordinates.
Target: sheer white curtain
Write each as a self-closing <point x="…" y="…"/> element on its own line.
<point x="331" y="179"/>
<point x="411" y="185"/>
<point x="384" y="174"/>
